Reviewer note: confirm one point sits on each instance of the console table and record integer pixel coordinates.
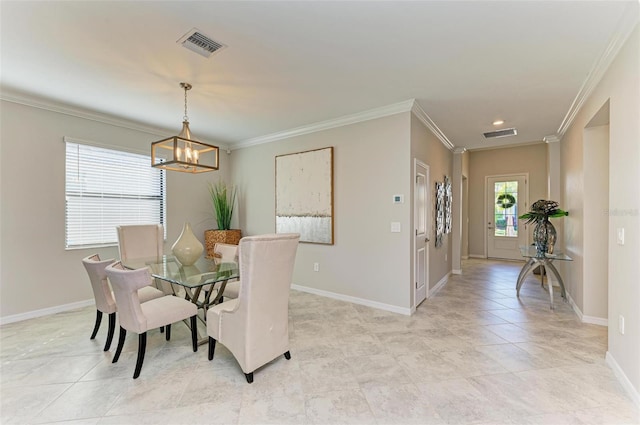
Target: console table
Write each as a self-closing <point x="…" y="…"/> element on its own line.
<point x="546" y="262"/>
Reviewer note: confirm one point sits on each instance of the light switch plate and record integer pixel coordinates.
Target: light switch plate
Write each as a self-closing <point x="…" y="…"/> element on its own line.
<point x="620" y="236"/>
<point x="395" y="227"/>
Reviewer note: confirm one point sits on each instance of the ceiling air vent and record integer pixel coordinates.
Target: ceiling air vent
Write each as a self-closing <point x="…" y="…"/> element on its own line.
<point x="500" y="133"/>
<point x="197" y="42"/>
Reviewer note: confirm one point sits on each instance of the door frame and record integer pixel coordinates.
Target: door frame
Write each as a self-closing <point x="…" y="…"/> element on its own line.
<point x="486" y="205"/>
<point x="414" y="253"/>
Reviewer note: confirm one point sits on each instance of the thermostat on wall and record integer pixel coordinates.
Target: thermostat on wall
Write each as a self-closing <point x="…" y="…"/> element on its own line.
<point x="398" y="199"/>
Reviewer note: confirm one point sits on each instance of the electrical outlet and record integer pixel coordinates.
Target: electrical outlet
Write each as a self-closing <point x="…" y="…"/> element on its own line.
<point x="316" y="267"/>
<point x="621" y="324"/>
<point x="620" y="236"/>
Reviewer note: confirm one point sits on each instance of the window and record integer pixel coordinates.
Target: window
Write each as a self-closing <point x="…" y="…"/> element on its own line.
<point x="106" y="188"/>
<point x="506" y="208"/>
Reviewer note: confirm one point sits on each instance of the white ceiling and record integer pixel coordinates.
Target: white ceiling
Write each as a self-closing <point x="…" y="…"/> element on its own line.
<point x="293" y="64"/>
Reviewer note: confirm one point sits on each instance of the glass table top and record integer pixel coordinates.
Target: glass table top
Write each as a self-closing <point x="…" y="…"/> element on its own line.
<point x="205" y="271"/>
<point x="530" y="251"/>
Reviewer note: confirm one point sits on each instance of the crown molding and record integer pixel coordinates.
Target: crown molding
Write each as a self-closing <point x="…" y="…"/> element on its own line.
<point x="551" y="139"/>
<point x="459" y="150"/>
<point x="12" y="96"/>
<point x="371" y="114"/>
<point x="628" y="22"/>
<point x="417" y="110"/>
<point x="53" y="106"/>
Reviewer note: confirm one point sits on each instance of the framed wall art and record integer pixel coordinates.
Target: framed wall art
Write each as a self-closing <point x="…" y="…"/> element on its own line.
<point x="440" y="214"/>
<point x="444" y="201"/>
<point x="304" y="195"/>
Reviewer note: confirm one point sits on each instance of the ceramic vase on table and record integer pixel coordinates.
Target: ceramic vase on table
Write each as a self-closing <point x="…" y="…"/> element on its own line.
<point x="187" y="249"/>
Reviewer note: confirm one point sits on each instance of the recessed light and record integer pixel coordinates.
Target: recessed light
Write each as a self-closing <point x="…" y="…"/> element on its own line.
<point x="498" y="122"/>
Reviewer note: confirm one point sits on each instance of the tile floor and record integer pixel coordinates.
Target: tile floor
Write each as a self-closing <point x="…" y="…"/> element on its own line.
<point x="472" y="354"/>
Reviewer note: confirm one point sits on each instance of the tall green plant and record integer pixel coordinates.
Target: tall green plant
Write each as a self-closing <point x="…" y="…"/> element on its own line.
<point x="222" y="199"/>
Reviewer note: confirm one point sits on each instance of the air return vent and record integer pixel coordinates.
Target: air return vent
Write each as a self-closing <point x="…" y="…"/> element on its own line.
<point x="500" y="133"/>
<point x="197" y="42"/>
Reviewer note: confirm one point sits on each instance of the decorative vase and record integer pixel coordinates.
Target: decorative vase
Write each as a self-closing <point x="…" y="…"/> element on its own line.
<point x="544" y="237"/>
<point x="187" y="249"/>
<point x="212" y="237"/>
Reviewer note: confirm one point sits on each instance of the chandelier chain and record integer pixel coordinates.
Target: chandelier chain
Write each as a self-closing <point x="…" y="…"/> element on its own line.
<point x="186" y="117"/>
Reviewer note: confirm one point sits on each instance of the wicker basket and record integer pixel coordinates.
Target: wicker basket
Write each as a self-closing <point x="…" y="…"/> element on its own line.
<point x="212" y="237"/>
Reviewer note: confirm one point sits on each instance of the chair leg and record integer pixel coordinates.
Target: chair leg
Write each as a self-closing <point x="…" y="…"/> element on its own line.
<point x="212" y="347"/>
<point x="194" y="333"/>
<point x="121" y="337"/>
<point x="249" y="377"/>
<point x="161" y="329"/>
<point x="287" y="355"/>
<point x="112" y="328"/>
<point x="142" y="346"/>
<point x="97" y="325"/>
<point x="167" y="334"/>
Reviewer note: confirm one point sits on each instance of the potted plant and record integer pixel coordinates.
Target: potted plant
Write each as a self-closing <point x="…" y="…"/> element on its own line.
<point x="223" y="200"/>
<point x="544" y="233"/>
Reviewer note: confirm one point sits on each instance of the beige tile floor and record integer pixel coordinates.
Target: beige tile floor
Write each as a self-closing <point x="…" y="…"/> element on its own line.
<point x="472" y="354"/>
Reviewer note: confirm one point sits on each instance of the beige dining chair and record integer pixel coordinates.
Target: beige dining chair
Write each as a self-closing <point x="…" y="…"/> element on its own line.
<point x="227" y="253"/>
<point x="143" y="241"/>
<point x="255" y="325"/>
<point x="103" y="295"/>
<point x="138" y="317"/>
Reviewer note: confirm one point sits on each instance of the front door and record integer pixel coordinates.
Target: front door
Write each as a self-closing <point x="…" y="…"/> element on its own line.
<point x="421" y="220"/>
<point x="506" y="197"/>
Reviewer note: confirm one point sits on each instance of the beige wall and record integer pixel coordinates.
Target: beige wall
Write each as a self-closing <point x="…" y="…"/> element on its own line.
<point x="428" y="149"/>
<point x="465" y="206"/>
<point x="596" y="230"/>
<point x="36" y="271"/>
<point x="371" y="164"/>
<point x="530" y="159"/>
<point x="621" y="87"/>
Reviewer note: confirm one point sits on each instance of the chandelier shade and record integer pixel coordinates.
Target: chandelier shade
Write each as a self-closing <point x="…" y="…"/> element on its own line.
<point x="183" y="153"/>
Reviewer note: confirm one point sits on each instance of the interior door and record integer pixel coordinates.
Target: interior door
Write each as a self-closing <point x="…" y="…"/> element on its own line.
<point x="421" y="220"/>
<point x="506" y="198"/>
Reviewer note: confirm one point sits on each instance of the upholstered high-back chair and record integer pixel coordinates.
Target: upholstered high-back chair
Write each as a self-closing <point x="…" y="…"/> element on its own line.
<point x="143" y="241"/>
<point x="255" y="326"/>
<point x="140" y="241"/>
<point x="103" y="296"/>
<point x="224" y="252"/>
<point x="227" y="253"/>
<point x="140" y="317"/>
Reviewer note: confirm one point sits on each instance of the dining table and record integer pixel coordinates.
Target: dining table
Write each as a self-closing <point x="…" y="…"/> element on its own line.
<point x="203" y="282"/>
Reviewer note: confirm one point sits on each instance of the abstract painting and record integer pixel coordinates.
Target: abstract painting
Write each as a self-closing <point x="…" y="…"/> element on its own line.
<point x="304" y="195"/>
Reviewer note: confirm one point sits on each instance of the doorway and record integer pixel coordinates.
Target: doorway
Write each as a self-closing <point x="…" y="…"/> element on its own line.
<point x="506" y="198"/>
<point x="595" y="222"/>
<point x="421" y="241"/>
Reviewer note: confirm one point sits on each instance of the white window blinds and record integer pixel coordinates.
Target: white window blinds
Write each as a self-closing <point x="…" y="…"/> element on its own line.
<point x="106" y="188"/>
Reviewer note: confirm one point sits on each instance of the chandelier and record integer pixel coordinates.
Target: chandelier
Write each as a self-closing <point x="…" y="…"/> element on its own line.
<point x="182" y="152"/>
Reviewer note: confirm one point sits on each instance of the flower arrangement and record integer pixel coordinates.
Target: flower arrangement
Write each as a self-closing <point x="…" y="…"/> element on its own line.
<point x="542" y="210"/>
<point x="222" y="201"/>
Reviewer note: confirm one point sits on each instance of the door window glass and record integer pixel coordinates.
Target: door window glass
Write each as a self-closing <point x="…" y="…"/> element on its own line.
<point x="506" y="209"/>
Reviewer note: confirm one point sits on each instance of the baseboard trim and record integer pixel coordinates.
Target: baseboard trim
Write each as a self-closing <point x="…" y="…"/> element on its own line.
<point x="622" y="378"/>
<point x="45" y="312"/>
<point x="586" y="319"/>
<point x="465" y="257"/>
<point x="456" y="271"/>
<point x="354" y="300"/>
<point x="595" y="320"/>
<point x="439" y="285"/>
<point x="484" y="257"/>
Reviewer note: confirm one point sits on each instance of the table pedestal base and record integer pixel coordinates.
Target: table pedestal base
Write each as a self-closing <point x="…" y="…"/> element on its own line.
<point x="546" y="264"/>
